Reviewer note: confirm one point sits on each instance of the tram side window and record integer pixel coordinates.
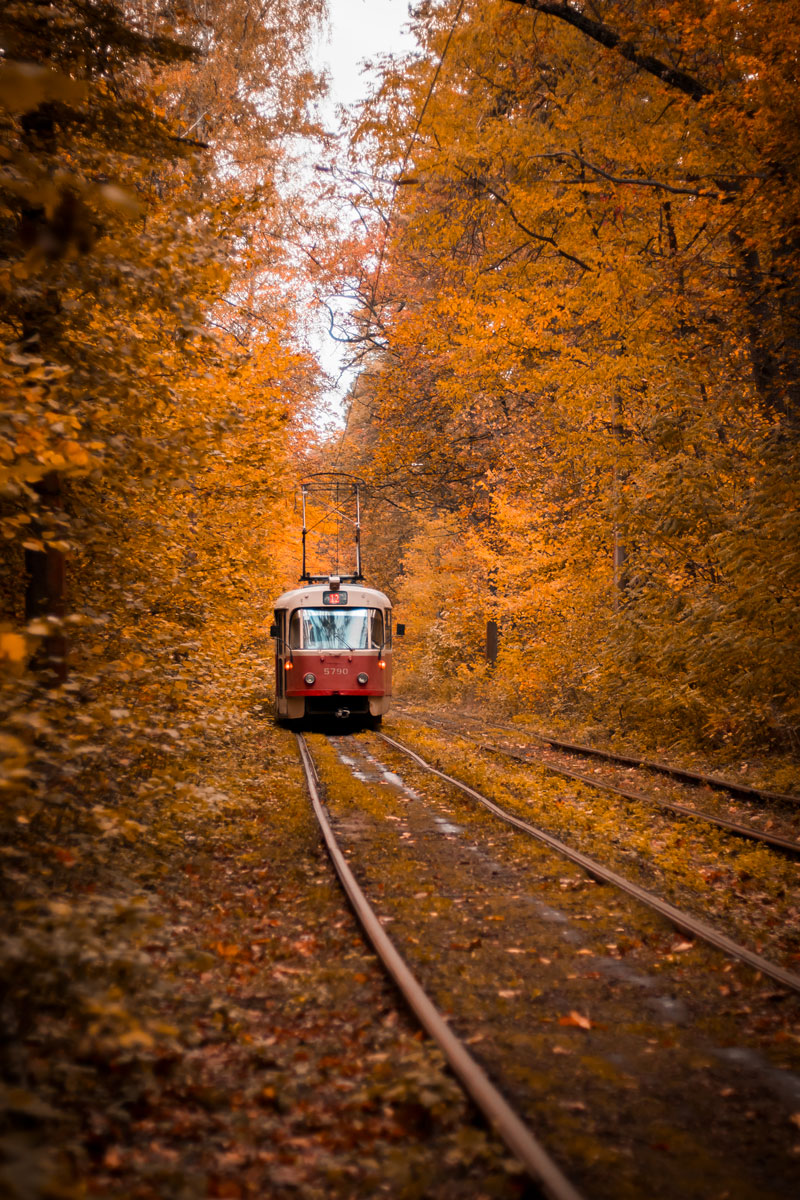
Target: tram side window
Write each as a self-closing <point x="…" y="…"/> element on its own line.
<point x="376" y="631"/>
<point x="294" y="630"/>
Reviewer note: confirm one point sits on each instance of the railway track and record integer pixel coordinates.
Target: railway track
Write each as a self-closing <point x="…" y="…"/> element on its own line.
<point x="699" y="778"/>
<point x="511" y="1128"/>
<point x="785" y="845"/>
<point x="683" y="921"/>
<point x="367" y="823"/>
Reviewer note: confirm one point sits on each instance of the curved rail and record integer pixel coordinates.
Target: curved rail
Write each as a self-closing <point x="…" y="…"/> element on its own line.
<point x="713" y="781"/>
<point x="682" y="921"/>
<point x="717" y="782"/>
<point x="470" y="1075"/>
<point x="785" y="845"/>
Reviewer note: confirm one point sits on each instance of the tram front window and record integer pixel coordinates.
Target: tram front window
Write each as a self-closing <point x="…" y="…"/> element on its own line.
<point x="336" y="629"/>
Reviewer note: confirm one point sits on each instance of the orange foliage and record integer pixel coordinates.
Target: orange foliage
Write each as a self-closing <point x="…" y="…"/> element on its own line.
<point x="588" y="375"/>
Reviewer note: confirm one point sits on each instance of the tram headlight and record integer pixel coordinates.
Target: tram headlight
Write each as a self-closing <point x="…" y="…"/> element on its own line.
<point x="309" y="680"/>
<point x="363" y="678"/>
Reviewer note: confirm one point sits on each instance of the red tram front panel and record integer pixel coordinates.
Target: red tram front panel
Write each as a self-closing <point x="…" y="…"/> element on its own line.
<point x="337" y="674"/>
<point x="333" y="651"/>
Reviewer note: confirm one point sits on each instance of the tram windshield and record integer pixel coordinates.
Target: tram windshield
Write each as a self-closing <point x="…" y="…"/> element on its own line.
<point x="336" y="629"/>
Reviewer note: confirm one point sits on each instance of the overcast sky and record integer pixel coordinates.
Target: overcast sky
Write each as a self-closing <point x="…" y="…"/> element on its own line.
<point x="358" y="30"/>
<point x="361" y="29"/>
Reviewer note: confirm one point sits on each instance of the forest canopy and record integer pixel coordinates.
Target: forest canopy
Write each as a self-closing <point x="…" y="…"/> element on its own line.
<point x="578" y="330"/>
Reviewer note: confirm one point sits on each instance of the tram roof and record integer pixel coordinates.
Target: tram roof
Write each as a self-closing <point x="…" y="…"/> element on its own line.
<point x="310" y="596"/>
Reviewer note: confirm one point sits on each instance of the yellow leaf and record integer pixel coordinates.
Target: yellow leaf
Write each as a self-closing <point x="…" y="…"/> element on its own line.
<point x="136" y="1039"/>
<point x="75" y="453"/>
<point x="13" y="647"/>
<point x="227" y="949"/>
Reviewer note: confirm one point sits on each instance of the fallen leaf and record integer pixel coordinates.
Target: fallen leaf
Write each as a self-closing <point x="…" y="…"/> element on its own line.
<point x="575" y="1018"/>
<point x="12" y="646"/>
<point x="226" y="950"/>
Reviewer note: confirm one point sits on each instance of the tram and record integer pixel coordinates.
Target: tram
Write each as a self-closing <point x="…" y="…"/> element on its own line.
<point x="333" y="635"/>
<point x="333" y="651"/>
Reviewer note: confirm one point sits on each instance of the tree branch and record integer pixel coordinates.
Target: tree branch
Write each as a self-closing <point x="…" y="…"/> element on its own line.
<point x="537" y="237"/>
<point x="654" y="183"/>
<point x="612" y="40"/>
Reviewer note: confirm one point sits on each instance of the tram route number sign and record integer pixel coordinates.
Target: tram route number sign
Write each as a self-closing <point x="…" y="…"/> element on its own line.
<point x="334" y="597"/>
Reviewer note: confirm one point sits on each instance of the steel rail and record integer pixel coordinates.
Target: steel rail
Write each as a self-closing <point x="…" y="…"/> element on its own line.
<point x="785" y="845"/>
<point x="714" y="781"/>
<point x="516" y="1135"/>
<point x="682" y="921"/>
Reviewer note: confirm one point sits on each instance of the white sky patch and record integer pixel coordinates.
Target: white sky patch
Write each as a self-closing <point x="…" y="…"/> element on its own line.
<point x="358" y="30"/>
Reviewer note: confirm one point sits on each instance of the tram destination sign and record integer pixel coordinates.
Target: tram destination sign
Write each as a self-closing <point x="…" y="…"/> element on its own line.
<point x="334" y="597"/>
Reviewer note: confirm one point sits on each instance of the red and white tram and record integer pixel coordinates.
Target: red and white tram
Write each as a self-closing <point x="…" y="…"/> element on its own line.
<point x="333" y="651"/>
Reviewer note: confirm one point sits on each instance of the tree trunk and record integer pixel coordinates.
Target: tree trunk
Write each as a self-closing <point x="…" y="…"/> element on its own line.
<point x="45" y="595"/>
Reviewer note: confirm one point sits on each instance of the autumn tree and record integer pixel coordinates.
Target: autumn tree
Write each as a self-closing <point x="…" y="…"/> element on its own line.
<point x="146" y="257"/>
<point x="585" y="306"/>
<point x="153" y="359"/>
